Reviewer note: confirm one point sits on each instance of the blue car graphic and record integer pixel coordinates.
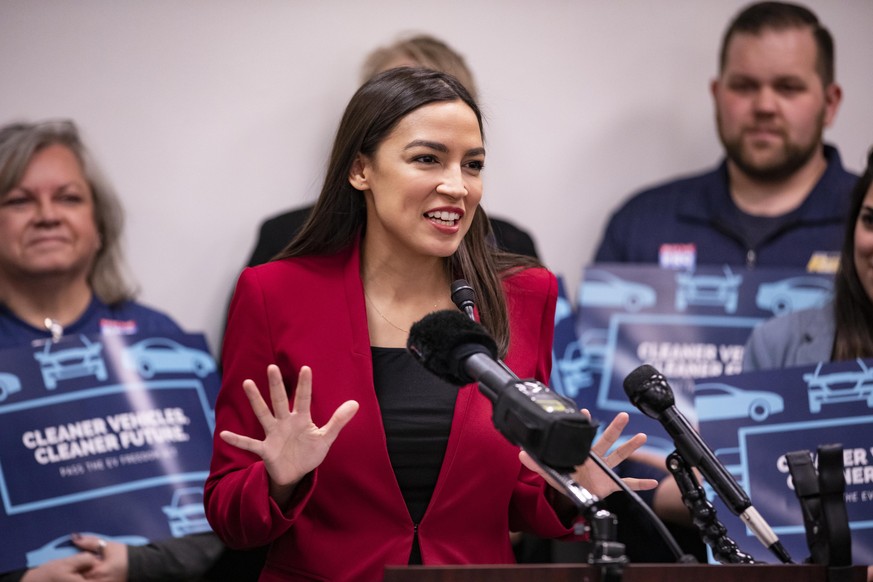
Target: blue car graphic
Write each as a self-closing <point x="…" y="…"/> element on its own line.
<point x="837" y="387"/>
<point x="581" y="360"/>
<point x="160" y="355"/>
<point x="74" y="362"/>
<point x="186" y="513"/>
<point x="717" y="401"/>
<point x="794" y="294"/>
<point x="603" y="289"/>
<point x="9" y="384"/>
<point x="714" y="290"/>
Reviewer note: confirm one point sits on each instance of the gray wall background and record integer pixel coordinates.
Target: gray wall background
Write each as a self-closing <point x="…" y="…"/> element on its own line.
<point x="210" y="115"/>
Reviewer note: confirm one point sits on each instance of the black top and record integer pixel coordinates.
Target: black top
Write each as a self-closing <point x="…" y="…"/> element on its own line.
<point x="417" y="409"/>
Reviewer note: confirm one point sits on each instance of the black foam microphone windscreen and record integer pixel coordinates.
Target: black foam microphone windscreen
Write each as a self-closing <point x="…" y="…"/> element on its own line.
<point x="443" y="339"/>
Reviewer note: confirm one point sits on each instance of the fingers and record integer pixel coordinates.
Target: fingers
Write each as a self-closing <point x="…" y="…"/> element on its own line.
<point x="610" y="434"/>
<point x="303" y="392"/>
<point x="340" y="418"/>
<point x="82" y="562"/>
<point x="278" y="395"/>
<point x="626" y="449"/>
<point x="242" y="442"/>
<point x="259" y="407"/>
<point x="91" y="544"/>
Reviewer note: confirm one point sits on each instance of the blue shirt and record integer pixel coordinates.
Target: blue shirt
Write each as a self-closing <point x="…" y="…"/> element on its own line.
<point x="696" y="217"/>
<point x="124" y="318"/>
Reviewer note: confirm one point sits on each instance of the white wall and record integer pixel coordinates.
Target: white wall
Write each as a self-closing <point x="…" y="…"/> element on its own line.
<point x="209" y="115"/>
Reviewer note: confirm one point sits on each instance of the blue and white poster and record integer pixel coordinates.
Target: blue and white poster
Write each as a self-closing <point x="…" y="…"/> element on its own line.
<point x="752" y="421"/>
<point x="108" y="435"/>
<point x="687" y="324"/>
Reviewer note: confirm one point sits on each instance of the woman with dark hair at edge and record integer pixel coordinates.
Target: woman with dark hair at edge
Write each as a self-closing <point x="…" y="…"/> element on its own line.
<point x="842" y="329"/>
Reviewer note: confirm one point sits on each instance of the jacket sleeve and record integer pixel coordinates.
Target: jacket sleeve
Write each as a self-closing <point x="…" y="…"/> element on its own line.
<point x="238" y="504"/>
<point x="173" y="559"/>
<point x="535" y="506"/>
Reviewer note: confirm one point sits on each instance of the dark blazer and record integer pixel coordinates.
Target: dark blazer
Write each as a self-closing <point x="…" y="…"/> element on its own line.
<point x="348" y="518"/>
<point x="276" y="232"/>
<point x="800" y="338"/>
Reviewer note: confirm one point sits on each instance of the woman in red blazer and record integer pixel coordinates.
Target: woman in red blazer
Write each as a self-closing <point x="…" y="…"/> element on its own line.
<point x="376" y="461"/>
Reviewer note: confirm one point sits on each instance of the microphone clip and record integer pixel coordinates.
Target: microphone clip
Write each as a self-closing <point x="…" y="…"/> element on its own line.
<point x="544" y="423"/>
<point x="822" y="501"/>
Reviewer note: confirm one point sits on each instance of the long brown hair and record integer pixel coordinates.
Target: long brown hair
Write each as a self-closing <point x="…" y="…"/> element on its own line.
<point x="340" y="214"/>
<point x="853" y="308"/>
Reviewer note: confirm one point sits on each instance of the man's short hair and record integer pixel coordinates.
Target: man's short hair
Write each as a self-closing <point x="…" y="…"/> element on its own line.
<point x="782" y="16"/>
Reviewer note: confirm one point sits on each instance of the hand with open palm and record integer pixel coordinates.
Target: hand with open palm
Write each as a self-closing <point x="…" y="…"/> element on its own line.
<point x="293" y="445"/>
<point x="592" y="477"/>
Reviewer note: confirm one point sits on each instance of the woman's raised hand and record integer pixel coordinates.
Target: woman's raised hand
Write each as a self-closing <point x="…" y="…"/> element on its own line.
<point x="589" y="475"/>
<point x="293" y="445"/>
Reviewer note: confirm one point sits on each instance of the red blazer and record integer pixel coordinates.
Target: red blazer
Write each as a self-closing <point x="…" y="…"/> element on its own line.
<point x="348" y="518"/>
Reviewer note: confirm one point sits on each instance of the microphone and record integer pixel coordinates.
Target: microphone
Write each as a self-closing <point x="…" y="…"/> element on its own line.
<point x="546" y="425"/>
<point x="464" y="296"/>
<point x="649" y="391"/>
<point x="529" y="414"/>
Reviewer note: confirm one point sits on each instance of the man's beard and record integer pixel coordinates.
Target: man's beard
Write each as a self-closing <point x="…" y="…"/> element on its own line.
<point x="793" y="156"/>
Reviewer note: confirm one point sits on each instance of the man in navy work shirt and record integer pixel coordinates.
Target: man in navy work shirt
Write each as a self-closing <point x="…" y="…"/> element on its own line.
<point x="779" y="198"/>
<point x="781" y="195"/>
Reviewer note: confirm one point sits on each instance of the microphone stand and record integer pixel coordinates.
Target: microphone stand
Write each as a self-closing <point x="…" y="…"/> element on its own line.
<point x="703" y="513"/>
<point x="606" y="552"/>
<point x="822" y="500"/>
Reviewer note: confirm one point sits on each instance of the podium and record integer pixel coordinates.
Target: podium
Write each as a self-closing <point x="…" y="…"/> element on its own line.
<point x="632" y="573"/>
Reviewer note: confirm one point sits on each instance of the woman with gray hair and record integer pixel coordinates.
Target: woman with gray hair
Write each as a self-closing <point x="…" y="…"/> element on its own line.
<point x="61" y="267"/>
<point x="61" y="272"/>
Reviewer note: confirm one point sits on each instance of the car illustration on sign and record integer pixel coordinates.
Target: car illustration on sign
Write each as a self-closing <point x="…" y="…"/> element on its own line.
<point x="717" y="401"/>
<point x="64" y="547"/>
<point x="794" y="294"/>
<point x="851" y="386"/>
<point x="573" y="374"/>
<point x="74" y="362"/>
<point x="159" y="355"/>
<point x="715" y="290"/>
<point x="186" y="513"/>
<point x="603" y="289"/>
<point x="581" y="360"/>
<point x="9" y="384"/>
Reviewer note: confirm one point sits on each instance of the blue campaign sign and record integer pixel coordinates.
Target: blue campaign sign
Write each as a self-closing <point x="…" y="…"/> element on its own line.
<point x="687" y="324"/>
<point x="570" y="373"/>
<point x="772" y="413"/>
<point x="103" y="434"/>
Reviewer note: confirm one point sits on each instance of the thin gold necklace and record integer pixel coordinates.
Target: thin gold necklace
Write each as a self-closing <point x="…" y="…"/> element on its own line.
<point x="382" y="315"/>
